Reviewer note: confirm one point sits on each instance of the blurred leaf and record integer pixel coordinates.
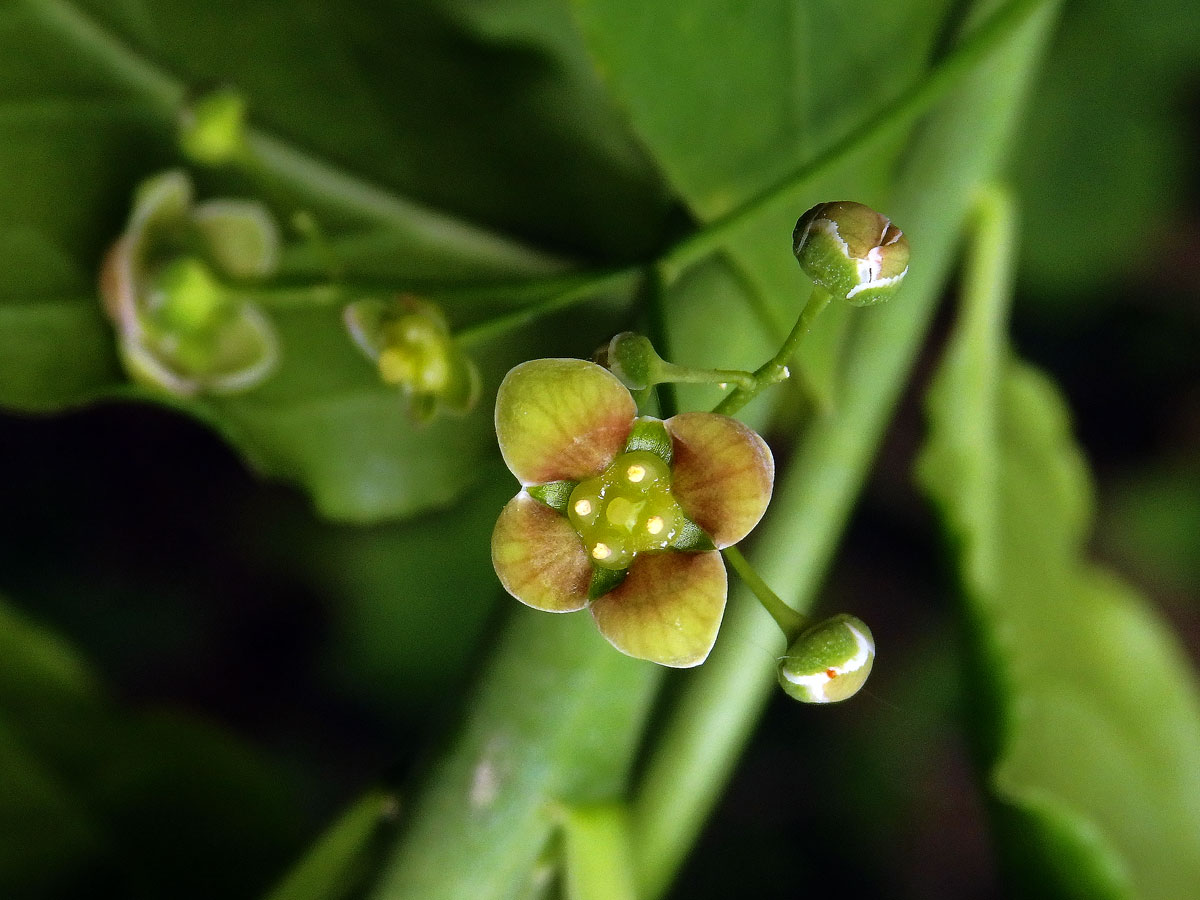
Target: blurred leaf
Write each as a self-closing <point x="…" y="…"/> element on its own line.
<point x="141" y="803"/>
<point x="1103" y="159"/>
<point x="335" y="866"/>
<point x="49" y="704"/>
<point x="731" y="98"/>
<point x="1091" y="715"/>
<point x="46" y="833"/>
<point x="555" y="717"/>
<point x="498" y="118"/>
<point x="1151" y="525"/>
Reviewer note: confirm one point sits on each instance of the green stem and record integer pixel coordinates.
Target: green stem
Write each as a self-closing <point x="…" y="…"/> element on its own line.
<point x="670" y="373"/>
<point x="775" y="369"/>
<point x="620" y="281"/>
<point x="656" y="324"/>
<point x="301" y="295"/>
<point x="790" y="622"/>
<point x="599" y="860"/>
<point x="696" y="750"/>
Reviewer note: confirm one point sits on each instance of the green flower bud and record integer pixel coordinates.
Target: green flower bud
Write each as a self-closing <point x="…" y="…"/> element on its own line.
<point x="633" y="359"/>
<point x="212" y="131"/>
<point x="410" y="342"/>
<point x="828" y="661"/>
<point x="851" y="251"/>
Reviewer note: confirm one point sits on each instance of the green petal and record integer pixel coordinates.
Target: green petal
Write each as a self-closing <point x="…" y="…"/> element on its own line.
<point x="232" y="358"/>
<point x="561" y="419"/>
<point x="241" y="236"/>
<point x="539" y="558"/>
<point x="668" y="609"/>
<point x="723" y="474"/>
<point x="161" y="201"/>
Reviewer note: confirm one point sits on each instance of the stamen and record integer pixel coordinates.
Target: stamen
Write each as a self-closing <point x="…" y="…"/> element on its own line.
<point x="583" y="507"/>
<point x="655" y="524"/>
<point x="636" y="472"/>
<point x="601" y="551"/>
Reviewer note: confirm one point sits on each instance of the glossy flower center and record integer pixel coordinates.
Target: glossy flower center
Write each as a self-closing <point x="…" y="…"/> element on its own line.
<point x="626" y="510"/>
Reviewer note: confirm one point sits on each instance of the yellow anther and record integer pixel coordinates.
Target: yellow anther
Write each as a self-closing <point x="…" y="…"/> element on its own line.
<point x="583" y="507"/>
<point x="635" y="473"/>
<point x="655" y="524"/>
<point x="601" y="551"/>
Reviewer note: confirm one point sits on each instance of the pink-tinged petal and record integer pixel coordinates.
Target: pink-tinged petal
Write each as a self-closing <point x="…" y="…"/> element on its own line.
<point x="723" y="473"/>
<point x="118" y="289"/>
<point x="668" y="608"/>
<point x="561" y="419"/>
<point x="539" y="557"/>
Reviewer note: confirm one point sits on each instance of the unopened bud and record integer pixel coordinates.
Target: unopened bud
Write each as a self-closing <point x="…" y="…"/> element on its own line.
<point x="632" y="358"/>
<point x="851" y="251"/>
<point x="828" y="661"/>
<point x="212" y="131"/>
<point x="410" y="342"/>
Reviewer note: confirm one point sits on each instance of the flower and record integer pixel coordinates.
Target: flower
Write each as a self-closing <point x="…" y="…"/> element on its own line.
<point x="621" y="513"/>
<point x="169" y="285"/>
<point x="409" y="341"/>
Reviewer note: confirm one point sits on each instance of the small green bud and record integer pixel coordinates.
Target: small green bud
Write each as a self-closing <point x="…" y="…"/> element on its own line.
<point x="632" y="358"/>
<point x="828" y="661"/>
<point x="851" y="251"/>
<point x="212" y="131"/>
<point x="411" y="345"/>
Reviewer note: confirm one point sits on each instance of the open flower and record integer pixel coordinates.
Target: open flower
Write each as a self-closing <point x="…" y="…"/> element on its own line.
<point x="171" y="284"/>
<point x="410" y="343"/>
<point x="621" y="513"/>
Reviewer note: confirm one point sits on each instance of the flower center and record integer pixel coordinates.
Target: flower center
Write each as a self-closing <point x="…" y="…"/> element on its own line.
<point x="625" y="510"/>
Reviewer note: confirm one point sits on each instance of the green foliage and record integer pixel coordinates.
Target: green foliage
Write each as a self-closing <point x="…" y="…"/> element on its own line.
<point x="97" y="797"/>
<point x="341" y="434"/>
<point x="1091" y="711"/>
<point x="550" y="173"/>
<point x="1106" y="157"/>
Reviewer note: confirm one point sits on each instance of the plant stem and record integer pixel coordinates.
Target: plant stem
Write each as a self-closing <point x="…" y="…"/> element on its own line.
<point x="775" y="369"/>
<point x="790" y="622"/>
<point x="599" y="860"/>
<point x="670" y="373"/>
<point x="699" y="744"/>
<point x="619" y="281"/>
<point x="656" y="325"/>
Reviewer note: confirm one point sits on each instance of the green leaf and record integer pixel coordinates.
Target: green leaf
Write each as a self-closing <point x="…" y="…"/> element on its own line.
<point x="1091" y="716"/>
<point x="92" y="92"/>
<point x="1119" y="167"/>
<point x="335" y="866"/>
<point x="730" y="99"/>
